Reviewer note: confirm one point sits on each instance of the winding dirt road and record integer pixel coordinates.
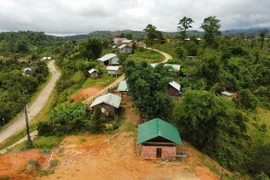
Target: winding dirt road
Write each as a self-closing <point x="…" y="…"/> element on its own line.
<point x="19" y="123"/>
<point x="122" y="77"/>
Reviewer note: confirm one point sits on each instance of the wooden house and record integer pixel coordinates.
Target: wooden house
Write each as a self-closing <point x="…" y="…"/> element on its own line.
<point x="93" y="73"/>
<point x="125" y="49"/>
<point x="158" y="139"/>
<point x="174" y="89"/>
<point x="114" y="70"/>
<point x="108" y="60"/>
<point x="109" y="104"/>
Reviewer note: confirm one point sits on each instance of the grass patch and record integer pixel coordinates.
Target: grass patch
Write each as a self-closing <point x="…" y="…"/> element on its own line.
<point x="47" y="142"/>
<point x="129" y="127"/>
<point x="104" y="81"/>
<point x="147" y="55"/>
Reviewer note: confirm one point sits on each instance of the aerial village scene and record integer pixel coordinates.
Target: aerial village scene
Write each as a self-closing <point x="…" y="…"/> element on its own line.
<point x="134" y="90"/>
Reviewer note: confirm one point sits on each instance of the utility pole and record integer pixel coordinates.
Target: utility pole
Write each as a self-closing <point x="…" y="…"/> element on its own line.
<point x="26" y="120"/>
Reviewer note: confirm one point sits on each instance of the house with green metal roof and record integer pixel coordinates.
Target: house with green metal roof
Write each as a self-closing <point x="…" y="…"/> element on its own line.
<point x="158" y="139"/>
<point x="109" y="104"/>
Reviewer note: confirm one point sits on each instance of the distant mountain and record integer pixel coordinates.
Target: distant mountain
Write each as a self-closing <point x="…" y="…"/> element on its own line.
<point x="141" y="34"/>
<point x="253" y="30"/>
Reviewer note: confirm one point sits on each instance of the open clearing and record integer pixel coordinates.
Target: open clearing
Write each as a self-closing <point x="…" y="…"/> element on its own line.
<point x="87" y="156"/>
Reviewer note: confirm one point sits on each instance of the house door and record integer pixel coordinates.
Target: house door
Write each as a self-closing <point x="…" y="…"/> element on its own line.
<point x="159" y="152"/>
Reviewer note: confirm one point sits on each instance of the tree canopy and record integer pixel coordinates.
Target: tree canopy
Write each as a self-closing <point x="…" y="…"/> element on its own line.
<point x="147" y="87"/>
<point x="211" y="28"/>
<point x="153" y="35"/>
<point x="183" y="25"/>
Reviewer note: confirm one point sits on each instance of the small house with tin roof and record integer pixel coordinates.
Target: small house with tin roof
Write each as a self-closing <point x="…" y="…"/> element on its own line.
<point x="108" y="60"/>
<point x="122" y="87"/>
<point x="125" y="49"/>
<point x="158" y="139"/>
<point x="118" y="40"/>
<point x="109" y="104"/>
<point x="114" y="70"/>
<point x="174" y="89"/>
<point x="93" y="73"/>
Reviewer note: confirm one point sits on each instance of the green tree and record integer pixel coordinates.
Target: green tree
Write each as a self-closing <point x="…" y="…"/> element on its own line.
<point x="262" y="35"/>
<point x="211" y="26"/>
<point x="96" y="120"/>
<point x="91" y="49"/>
<point x="197" y="115"/>
<point x="210" y="68"/>
<point x="153" y="35"/>
<point x="262" y="160"/>
<point x="246" y="99"/>
<point x="147" y="87"/>
<point x="183" y="25"/>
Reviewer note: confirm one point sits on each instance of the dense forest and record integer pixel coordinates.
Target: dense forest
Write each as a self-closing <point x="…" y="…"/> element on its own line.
<point x="19" y="50"/>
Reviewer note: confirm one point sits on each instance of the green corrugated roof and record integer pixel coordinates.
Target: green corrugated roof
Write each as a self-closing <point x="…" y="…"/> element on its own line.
<point x="122" y="86"/>
<point x="157" y="127"/>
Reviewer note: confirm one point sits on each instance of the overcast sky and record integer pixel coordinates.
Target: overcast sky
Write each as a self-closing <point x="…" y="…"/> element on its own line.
<point x="84" y="16"/>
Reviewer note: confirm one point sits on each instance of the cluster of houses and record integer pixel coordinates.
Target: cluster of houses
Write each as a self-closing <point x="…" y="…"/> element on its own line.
<point x="157" y="138"/>
<point x="122" y="45"/>
<point x="28" y="70"/>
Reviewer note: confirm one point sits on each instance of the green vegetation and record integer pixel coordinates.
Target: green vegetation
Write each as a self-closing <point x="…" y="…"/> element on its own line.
<point x="154" y="36"/>
<point x="17" y="51"/>
<point x="147" y="87"/>
<point x="146" y="55"/>
<point x="233" y="131"/>
<point x="48" y="142"/>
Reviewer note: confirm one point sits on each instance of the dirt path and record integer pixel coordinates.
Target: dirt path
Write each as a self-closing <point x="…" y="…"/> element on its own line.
<point x="19" y="123"/>
<point x="167" y="56"/>
<point x="105" y="90"/>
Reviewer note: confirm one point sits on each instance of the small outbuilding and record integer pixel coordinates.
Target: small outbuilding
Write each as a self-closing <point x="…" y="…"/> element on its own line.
<point x="27" y="70"/>
<point x="122" y="87"/>
<point x="174" y="89"/>
<point x="108" y="60"/>
<point x="109" y="104"/>
<point x="158" y="139"/>
<point x="93" y="73"/>
<point x="125" y="49"/>
<point x="114" y="70"/>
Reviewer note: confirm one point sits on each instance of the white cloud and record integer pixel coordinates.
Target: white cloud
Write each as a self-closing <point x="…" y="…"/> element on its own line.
<point x="84" y="16"/>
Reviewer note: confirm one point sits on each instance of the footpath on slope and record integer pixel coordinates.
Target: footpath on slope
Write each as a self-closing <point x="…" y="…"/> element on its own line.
<point x="21" y="119"/>
<point x="19" y="123"/>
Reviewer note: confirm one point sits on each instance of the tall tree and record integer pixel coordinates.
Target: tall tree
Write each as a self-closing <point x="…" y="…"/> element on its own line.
<point x="262" y="35"/>
<point x="91" y="49"/>
<point x="147" y="87"/>
<point x="183" y="25"/>
<point x="211" y="26"/>
<point x="153" y="35"/>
